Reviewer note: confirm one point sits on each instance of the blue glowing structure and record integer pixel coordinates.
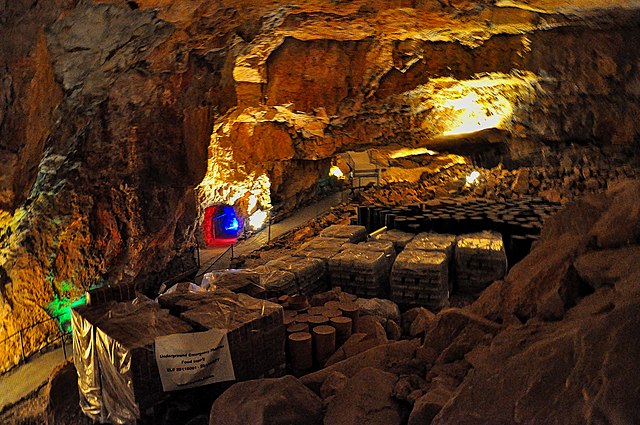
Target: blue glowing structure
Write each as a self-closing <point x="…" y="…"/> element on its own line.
<point x="228" y="221"/>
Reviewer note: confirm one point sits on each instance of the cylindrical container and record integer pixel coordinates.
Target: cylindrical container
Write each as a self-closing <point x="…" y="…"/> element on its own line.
<point x="298" y="327"/>
<point x="352" y="311"/>
<point x="302" y="318"/>
<point x="331" y="312"/>
<point x="343" y="327"/>
<point x="324" y="343"/>
<point x="289" y="320"/>
<point x="317" y="320"/>
<point x="314" y="311"/>
<point x="332" y="305"/>
<point x="300" y="351"/>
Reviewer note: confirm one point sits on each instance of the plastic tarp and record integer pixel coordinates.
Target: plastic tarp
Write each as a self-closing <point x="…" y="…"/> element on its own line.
<point x="352" y="233"/>
<point x="433" y="242"/>
<point x="113" y="354"/>
<point x="399" y="238"/>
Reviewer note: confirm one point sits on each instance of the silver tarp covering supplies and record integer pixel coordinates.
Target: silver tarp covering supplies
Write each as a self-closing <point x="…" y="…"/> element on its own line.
<point x="113" y="347"/>
<point x="310" y="272"/>
<point x="421" y="278"/>
<point x="352" y="233"/>
<point x="360" y="272"/>
<point x="480" y="259"/>
<point x="386" y="247"/>
<point x="399" y="238"/>
<point x="255" y="328"/>
<point x="236" y="280"/>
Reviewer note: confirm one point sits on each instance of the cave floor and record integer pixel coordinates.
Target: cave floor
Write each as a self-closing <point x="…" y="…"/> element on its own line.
<point x="21" y="381"/>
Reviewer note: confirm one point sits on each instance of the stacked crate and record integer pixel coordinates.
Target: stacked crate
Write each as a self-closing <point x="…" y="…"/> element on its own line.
<point x="436" y="242"/>
<point x="255" y="328"/>
<point x="275" y="282"/>
<point x="114" y="354"/>
<point x="351" y="233"/>
<point x="421" y="278"/>
<point x="433" y="242"/>
<point x="386" y="247"/>
<point x="236" y="280"/>
<point x="398" y="238"/>
<point x="322" y="247"/>
<point x="310" y="273"/>
<point x="480" y="260"/>
<point x="363" y="273"/>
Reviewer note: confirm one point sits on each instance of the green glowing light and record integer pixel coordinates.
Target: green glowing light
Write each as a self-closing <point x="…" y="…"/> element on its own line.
<point x="60" y="308"/>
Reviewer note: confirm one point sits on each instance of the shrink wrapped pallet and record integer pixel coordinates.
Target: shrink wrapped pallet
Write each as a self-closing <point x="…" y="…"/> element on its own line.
<point x="310" y="273"/>
<point x="433" y="242"/>
<point x="480" y="259"/>
<point x="322" y="248"/>
<point x="362" y="273"/>
<point x="255" y="328"/>
<point x="237" y="280"/>
<point x="386" y="247"/>
<point x="274" y="282"/>
<point x="421" y="278"/>
<point x="351" y="233"/>
<point x="399" y="238"/>
<point x="114" y="355"/>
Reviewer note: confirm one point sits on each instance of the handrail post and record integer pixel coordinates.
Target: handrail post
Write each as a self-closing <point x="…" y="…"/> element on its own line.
<point x="24" y="359"/>
<point x="232" y="251"/>
<point x="64" y="349"/>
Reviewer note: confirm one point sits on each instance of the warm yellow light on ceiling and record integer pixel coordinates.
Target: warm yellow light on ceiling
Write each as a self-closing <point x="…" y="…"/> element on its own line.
<point x="402" y="153"/>
<point x="472" y="113"/>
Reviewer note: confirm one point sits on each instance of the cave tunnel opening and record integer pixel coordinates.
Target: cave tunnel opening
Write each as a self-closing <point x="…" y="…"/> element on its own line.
<point x="221" y="225"/>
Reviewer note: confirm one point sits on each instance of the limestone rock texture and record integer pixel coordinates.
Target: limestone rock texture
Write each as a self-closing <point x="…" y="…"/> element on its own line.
<point x="120" y="121"/>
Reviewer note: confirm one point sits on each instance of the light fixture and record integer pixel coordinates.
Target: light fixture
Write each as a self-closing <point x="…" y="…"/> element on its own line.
<point x="473" y="177"/>
<point x="257" y="219"/>
<point x="335" y="171"/>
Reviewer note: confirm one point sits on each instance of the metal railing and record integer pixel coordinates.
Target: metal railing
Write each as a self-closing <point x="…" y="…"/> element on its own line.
<point x="24" y="357"/>
<point x="210" y="266"/>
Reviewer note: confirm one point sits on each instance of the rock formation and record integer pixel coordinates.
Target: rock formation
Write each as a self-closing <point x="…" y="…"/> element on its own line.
<point x="121" y="121"/>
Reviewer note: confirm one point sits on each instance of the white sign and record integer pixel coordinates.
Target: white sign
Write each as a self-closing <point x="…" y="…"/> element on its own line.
<point x="194" y="359"/>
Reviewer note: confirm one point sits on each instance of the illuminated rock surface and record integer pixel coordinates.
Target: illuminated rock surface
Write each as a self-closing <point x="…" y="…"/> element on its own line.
<point x="113" y="112"/>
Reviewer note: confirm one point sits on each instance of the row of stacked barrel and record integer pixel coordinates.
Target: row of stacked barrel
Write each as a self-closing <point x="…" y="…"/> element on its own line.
<point x="314" y="333"/>
<point x="518" y="220"/>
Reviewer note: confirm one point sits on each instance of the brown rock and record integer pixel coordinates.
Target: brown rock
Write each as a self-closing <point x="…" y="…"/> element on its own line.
<point x="63" y="405"/>
<point x="452" y="322"/>
<point x="366" y="399"/>
<point x="421" y="322"/>
<point x="267" y="401"/>
<point x="429" y="405"/>
<point x="372" y="327"/>
<point x="620" y="224"/>
<point x="393" y="330"/>
<point x="602" y="268"/>
<point x="395" y="357"/>
<point x="335" y="382"/>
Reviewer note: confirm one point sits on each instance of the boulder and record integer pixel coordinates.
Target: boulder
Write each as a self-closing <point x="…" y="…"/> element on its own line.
<point x="356" y="344"/>
<point x="371" y="326"/>
<point x="394" y="332"/>
<point x="607" y="267"/>
<point x="581" y="369"/>
<point x="429" y="405"/>
<point x="335" y="382"/>
<point x="452" y="322"/>
<point x="395" y="357"/>
<point x="381" y="308"/>
<point x="280" y="401"/>
<point x="620" y="224"/>
<point x="421" y="322"/>
<point x="63" y="404"/>
<point x="366" y="399"/>
<point x="408" y="317"/>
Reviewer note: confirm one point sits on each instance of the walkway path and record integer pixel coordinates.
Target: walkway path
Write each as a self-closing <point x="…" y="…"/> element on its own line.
<point x="22" y="380"/>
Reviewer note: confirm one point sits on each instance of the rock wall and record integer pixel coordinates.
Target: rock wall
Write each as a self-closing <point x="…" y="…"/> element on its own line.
<point x="112" y="112"/>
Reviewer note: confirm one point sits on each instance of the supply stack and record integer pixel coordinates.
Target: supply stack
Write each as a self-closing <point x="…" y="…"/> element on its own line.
<point x="421" y="278"/>
<point x="309" y="272"/>
<point x="480" y="259"/>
